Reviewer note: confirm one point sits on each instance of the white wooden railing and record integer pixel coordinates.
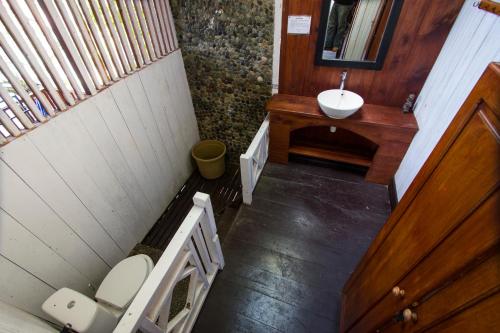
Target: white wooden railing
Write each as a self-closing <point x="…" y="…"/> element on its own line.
<point x="253" y="161"/>
<point x="194" y="252"/>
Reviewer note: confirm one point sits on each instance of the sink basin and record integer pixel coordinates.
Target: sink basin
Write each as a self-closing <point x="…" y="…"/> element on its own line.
<point x="339" y="104"/>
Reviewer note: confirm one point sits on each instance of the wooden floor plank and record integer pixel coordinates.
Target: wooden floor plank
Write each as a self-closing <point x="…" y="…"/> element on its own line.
<point x="289" y="254"/>
<point x="267" y="310"/>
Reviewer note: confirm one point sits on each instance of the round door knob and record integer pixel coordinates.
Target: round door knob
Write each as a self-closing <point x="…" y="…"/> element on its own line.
<point x="409" y="315"/>
<point x="398" y="292"/>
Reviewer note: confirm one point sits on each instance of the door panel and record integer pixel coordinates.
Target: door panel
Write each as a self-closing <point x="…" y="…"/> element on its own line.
<point x="479" y="234"/>
<point x="436" y="244"/>
<point x="480" y="282"/>
<point x="483" y="317"/>
<point x="466" y="175"/>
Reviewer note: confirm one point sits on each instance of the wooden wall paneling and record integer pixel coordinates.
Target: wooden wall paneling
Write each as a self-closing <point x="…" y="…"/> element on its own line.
<point x="170" y="111"/>
<point x="153" y="91"/>
<point x="164" y="156"/>
<point x="126" y="105"/>
<point x="173" y="108"/>
<point x="476" y="33"/>
<point x="395" y="71"/>
<point x="111" y="193"/>
<point x="47" y="226"/>
<point x="177" y="77"/>
<point x="19" y="245"/>
<point x="483" y="35"/>
<point x="21" y="289"/>
<point x="463" y="29"/>
<point x="427" y="44"/>
<point x="58" y="195"/>
<point x="291" y="80"/>
<point x="451" y="80"/>
<point x="13" y="319"/>
<point x="418" y="37"/>
<point x="118" y="162"/>
<point x="54" y="144"/>
<point x="105" y="103"/>
<point x="95" y="163"/>
<point x="177" y="97"/>
<point x="80" y="191"/>
<point x="467" y="321"/>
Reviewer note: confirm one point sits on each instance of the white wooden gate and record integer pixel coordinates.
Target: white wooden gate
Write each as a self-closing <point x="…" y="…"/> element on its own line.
<point x="194" y="252"/>
<point x="253" y="161"/>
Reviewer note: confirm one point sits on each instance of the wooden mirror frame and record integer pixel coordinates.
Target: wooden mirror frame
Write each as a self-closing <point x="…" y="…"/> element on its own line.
<point x="365" y="64"/>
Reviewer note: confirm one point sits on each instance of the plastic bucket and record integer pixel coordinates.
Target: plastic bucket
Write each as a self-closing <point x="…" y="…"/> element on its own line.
<point x="209" y="156"/>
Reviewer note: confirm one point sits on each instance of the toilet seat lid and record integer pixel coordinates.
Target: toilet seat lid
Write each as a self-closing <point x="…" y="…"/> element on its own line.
<point x="124" y="281"/>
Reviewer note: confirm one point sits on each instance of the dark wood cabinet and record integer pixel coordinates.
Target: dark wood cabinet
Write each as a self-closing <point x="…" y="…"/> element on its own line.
<point x="441" y="245"/>
<point x="376" y="137"/>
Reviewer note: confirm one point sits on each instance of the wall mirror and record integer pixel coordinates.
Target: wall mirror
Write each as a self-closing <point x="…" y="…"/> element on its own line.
<point x="356" y="33"/>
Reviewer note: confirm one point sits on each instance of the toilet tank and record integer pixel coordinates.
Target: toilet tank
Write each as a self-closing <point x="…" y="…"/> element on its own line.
<point x="82" y="313"/>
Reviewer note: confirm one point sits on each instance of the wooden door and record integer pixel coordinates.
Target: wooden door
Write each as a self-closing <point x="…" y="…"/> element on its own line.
<point x="445" y="229"/>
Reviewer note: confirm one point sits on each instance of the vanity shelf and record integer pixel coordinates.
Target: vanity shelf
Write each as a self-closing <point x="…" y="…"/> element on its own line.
<point x="375" y="137"/>
<point x="332" y="155"/>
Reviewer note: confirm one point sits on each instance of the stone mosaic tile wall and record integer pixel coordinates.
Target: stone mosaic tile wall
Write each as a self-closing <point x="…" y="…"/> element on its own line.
<point x="227" y="47"/>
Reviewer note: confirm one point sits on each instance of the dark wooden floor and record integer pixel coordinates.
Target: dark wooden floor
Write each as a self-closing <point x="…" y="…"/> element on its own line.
<point x="289" y="253"/>
<point x="225" y="195"/>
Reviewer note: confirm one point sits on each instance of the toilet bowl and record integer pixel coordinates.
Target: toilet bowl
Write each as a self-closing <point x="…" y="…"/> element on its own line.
<point x="112" y="298"/>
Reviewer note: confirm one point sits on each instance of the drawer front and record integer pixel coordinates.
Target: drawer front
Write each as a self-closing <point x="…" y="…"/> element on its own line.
<point x="479" y="234"/>
<point x="466" y="175"/>
<point x="482" y="317"/>
<point x="479" y="283"/>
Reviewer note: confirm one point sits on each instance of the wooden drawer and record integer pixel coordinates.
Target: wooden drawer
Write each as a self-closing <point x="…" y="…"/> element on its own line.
<point x="482" y="317"/>
<point x="467" y="174"/>
<point x="479" y="283"/>
<point x="479" y="234"/>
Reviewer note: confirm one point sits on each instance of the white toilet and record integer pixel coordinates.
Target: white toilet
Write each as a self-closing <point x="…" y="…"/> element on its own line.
<point x="114" y="295"/>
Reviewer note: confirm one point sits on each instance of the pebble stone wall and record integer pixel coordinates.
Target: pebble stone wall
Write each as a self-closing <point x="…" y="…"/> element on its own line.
<point x="227" y="47"/>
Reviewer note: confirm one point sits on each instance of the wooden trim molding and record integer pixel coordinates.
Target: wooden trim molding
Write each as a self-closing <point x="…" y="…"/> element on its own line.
<point x="393" y="194"/>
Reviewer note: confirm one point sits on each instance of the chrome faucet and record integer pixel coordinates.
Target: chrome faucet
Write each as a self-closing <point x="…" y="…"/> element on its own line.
<point x="343" y="77"/>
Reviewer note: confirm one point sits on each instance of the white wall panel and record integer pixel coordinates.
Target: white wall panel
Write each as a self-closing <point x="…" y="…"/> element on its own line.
<point x="151" y="84"/>
<point x="164" y="157"/>
<point x="174" y="68"/>
<point x="31" y="211"/>
<point x="471" y="45"/>
<point x="77" y="193"/>
<point x="22" y="289"/>
<point x="13" y="320"/>
<point x="19" y="245"/>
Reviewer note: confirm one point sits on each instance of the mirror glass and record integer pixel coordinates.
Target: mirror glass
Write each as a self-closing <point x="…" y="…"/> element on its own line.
<point x="356" y="31"/>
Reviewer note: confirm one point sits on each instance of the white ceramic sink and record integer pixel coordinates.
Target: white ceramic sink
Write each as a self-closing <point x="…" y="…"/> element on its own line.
<point x="339" y="104"/>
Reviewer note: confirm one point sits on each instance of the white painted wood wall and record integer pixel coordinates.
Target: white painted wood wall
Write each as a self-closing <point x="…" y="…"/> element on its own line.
<point x="13" y="320"/>
<point x="77" y="193"/>
<point x="472" y="44"/>
<point x="278" y="9"/>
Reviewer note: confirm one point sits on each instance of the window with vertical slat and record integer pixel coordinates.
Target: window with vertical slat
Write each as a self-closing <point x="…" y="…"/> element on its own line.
<point x="54" y="53"/>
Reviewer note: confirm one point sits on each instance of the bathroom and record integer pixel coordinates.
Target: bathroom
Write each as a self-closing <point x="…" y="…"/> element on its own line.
<point x="244" y="166"/>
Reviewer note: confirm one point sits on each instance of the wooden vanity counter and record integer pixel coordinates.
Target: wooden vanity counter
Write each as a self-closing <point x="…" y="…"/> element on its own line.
<point x="388" y="129"/>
